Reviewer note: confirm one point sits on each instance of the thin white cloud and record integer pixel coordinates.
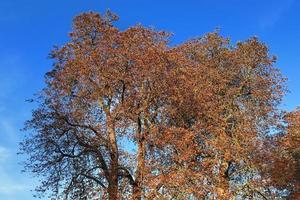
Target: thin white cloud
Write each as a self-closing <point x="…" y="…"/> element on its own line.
<point x="10" y="75"/>
<point x="274" y="13"/>
<point x="10" y="84"/>
<point x="8" y="185"/>
<point x="8" y="129"/>
<point x="4" y="154"/>
<point x="13" y="184"/>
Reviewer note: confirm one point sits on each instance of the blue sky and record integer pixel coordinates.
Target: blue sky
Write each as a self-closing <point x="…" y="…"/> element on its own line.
<point x="29" y="29"/>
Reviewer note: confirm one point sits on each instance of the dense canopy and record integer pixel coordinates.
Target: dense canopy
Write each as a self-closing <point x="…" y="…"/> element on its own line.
<point x="124" y="115"/>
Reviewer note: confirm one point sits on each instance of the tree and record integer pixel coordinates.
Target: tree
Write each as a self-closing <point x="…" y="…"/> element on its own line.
<point x="222" y="107"/>
<point x="196" y="115"/>
<point x="94" y="100"/>
<point x="284" y="167"/>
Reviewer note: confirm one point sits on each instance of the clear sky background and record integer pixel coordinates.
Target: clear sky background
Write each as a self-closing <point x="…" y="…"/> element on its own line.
<point x="29" y="29"/>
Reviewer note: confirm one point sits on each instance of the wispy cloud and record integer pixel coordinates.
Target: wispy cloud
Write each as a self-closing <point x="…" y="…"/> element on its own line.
<point x="12" y="78"/>
<point x="10" y="74"/>
<point x="8" y="184"/>
<point x="274" y="13"/>
<point x="8" y="129"/>
<point x="13" y="184"/>
<point x="4" y="154"/>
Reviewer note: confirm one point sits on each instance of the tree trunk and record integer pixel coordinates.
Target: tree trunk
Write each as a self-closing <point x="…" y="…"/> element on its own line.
<point x="113" y="188"/>
<point x="138" y="186"/>
<point x="114" y="156"/>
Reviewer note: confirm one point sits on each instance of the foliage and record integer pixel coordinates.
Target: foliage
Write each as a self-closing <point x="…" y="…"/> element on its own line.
<point x="197" y="115"/>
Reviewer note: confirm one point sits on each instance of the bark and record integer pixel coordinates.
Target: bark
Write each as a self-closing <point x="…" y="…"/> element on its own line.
<point x="113" y="175"/>
<point x="113" y="190"/>
<point x="138" y="186"/>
